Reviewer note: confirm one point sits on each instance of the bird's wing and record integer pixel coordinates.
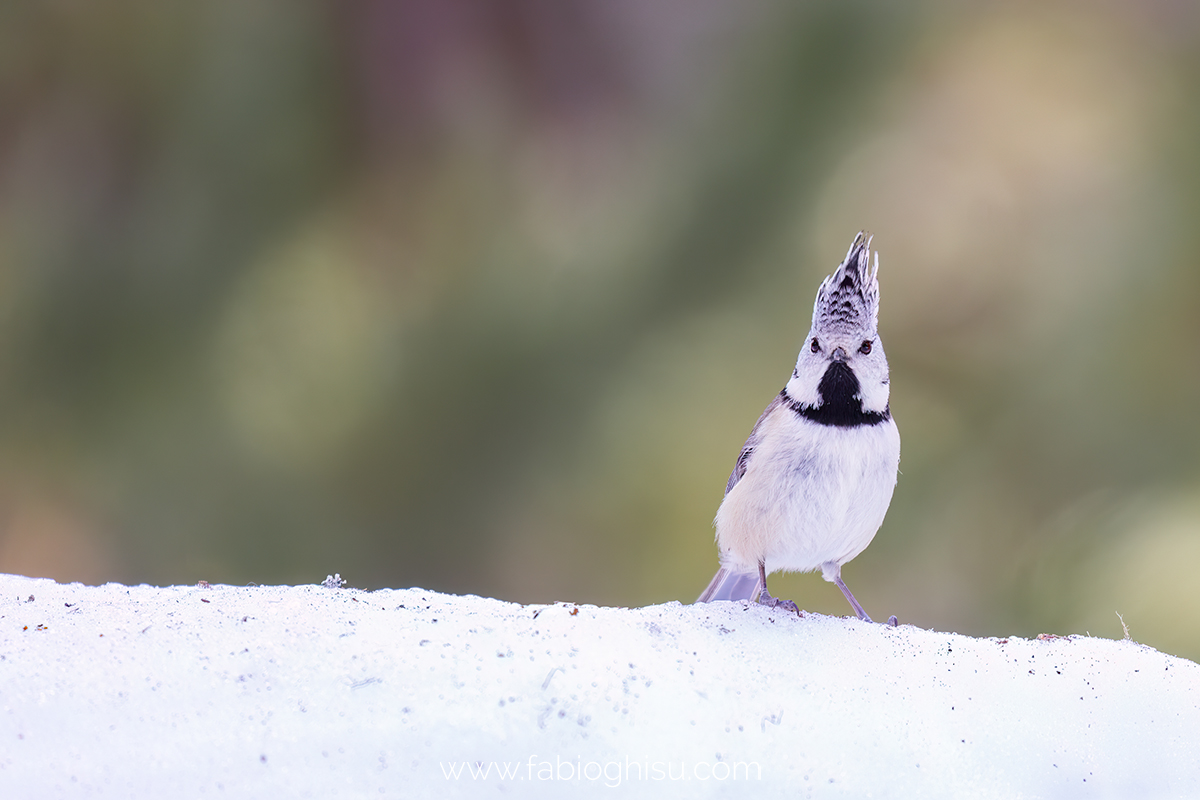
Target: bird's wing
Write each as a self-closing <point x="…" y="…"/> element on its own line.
<point x="739" y="469"/>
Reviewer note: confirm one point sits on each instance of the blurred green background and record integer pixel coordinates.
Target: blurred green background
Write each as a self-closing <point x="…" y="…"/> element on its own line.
<point x="484" y="297"/>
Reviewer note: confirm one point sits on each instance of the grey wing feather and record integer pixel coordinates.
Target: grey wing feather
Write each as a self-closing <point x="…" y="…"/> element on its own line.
<point x="727" y="584"/>
<point x="739" y="469"/>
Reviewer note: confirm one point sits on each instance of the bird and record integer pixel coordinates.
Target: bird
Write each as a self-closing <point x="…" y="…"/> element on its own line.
<point x="814" y="480"/>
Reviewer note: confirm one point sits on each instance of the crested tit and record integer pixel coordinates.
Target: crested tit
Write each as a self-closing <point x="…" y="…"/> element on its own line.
<point x="814" y="480"/>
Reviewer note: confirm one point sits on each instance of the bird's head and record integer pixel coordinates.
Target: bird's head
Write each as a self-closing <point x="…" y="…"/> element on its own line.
<point x="842" y="360"/>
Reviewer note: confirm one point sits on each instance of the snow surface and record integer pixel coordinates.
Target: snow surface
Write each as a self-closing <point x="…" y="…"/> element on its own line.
<point x="315" y="691"/>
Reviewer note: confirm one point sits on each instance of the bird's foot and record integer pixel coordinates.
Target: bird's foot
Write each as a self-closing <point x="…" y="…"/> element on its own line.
<point x="774" y="602"/>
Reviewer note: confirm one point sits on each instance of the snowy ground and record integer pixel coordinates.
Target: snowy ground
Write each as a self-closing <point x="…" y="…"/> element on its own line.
<point x="308" y="691"/>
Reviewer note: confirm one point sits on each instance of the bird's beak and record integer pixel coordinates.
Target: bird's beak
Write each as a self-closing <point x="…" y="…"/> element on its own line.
<point x="838" y="354"/>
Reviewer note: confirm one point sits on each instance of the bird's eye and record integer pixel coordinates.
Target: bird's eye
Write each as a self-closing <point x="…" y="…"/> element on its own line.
<point x="815" y="346"/>
<point x="866" y="347"/>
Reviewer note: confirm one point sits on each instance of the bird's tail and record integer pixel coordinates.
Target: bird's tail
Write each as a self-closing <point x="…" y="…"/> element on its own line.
<point x="730" y="585"/>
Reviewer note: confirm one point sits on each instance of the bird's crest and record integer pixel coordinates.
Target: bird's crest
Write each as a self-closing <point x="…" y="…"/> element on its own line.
<point x="848" y="300"/>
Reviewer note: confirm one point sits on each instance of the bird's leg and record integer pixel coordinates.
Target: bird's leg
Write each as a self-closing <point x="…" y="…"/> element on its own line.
<point x="765" y="598"/>
<point x="858" y="609"/>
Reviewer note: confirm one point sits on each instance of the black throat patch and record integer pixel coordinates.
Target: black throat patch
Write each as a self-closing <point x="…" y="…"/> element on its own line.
<point x="840" y="406"/>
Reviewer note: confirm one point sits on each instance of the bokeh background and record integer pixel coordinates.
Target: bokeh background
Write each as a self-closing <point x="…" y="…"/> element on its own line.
<point x="484" y="297"/>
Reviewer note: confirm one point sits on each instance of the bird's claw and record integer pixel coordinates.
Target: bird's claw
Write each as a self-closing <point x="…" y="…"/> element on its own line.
<point x="774" y="602"/>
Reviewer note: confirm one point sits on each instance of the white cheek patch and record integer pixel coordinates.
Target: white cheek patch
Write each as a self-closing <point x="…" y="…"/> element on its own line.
<point x="872" y="373"/>
<point x="803" y="389"/>
<point x="874" y="396"/>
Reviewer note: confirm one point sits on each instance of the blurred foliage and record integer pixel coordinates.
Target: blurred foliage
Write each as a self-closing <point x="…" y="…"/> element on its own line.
<point x="485" y="297"/>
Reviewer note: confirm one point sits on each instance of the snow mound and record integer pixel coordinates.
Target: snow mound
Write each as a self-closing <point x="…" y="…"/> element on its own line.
<point x="319" y="691"/>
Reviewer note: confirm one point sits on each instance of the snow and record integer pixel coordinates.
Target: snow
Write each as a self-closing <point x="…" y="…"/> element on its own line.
<point x="320" y="691"/>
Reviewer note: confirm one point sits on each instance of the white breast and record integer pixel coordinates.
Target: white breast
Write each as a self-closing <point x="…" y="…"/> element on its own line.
<point x="811" y="494"/>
